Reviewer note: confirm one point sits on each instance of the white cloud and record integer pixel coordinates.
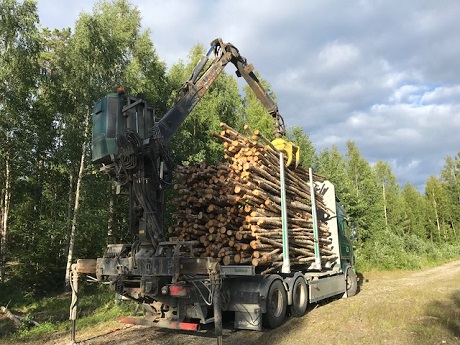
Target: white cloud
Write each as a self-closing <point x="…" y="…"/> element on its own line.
<point x="337" y="55"/>
<point x="410" y="94"/>
<point x="442" y="94"/>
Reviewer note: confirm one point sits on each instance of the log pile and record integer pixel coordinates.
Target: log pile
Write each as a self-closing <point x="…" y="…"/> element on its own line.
<point x="233" y="210"/>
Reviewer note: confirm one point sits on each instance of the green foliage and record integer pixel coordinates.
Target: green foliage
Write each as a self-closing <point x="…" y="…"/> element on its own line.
<point x="390" y="251"/>
<point x="332" y="165"/>
<point x="20" y="47"/>
<point x="364" y="200"/>
<point x="391" y="200"/>
<point x="414" y="212"/>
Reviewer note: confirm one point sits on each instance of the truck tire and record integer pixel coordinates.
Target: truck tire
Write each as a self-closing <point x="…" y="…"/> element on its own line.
<point x="352" y="282"/>
<point x="299" y="298"/>
<point x="276" y="305"/>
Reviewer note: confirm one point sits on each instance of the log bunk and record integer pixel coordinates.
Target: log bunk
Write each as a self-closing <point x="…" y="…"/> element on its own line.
<point x="233" y="210"/>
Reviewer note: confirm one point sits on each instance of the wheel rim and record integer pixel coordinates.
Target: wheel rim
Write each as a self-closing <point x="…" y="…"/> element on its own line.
<point x="276" y="303"/>
<point x="349" y="280"/>
<point x="299" y="295"/>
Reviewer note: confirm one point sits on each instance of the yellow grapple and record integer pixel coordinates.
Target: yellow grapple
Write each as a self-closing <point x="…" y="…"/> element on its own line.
<point x="291" y="151"/>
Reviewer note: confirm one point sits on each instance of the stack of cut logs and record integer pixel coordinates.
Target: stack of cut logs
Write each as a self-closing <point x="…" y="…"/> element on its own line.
<point x="233" y="210"/>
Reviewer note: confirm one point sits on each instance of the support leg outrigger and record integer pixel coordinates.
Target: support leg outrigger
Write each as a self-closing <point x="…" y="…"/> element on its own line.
<point x="83" y="266"/>
<point x="216" y="281"/>
<point x="74" y="303"/>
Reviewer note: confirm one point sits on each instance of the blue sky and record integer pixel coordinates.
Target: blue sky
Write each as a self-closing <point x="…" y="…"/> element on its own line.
<point x="384" y="74"/>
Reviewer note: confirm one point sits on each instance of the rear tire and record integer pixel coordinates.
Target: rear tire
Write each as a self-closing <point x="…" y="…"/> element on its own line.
<point x="299" y="298"/>
<point x="352" y="282"/>
<point x="276" y="305"/>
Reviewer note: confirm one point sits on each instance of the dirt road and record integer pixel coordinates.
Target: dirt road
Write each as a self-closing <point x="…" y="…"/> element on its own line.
<point x="420" y="307"/>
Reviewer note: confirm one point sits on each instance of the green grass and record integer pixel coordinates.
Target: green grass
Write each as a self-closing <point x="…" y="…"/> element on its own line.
<point x="96" y="305"/>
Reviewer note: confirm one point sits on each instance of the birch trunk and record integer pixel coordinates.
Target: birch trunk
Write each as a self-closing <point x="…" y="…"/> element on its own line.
<point x="385" y="204"/>
<point x="5" y="207"/>
<point x="69" y="214"/>
<point x="438" y="224"/>
<point x="73" y="230"/>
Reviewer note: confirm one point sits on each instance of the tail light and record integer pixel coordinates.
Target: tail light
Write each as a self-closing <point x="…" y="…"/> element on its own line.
<point x="179" y="290"/>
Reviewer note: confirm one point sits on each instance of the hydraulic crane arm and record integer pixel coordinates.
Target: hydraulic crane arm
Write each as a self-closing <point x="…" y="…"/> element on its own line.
<point x="196" y="87"/>
<point x="245" y="70"/>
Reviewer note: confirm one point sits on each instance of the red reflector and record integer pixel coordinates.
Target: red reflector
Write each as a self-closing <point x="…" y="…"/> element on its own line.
<point x="178" y="290"/>
<point x="187" y="326"/>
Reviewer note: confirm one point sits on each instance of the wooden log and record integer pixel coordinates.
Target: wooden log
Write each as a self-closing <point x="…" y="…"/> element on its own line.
<point x="258" y="261"/>
<point x="17" y="319"/>
<point x="258" y="245"/>
<point x="228" y="260"/>
<point x="215" y="200"/>
<point x="272" y="268"/>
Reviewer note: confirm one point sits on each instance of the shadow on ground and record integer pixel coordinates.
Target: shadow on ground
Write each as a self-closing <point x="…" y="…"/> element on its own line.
<point x="440" y="322"/>
<point x="446" y="314"/>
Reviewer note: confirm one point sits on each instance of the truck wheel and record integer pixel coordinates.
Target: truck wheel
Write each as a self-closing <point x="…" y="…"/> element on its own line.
<point x="276" y="305"/>
<point x="299" y="298"/>
<point x="352" y="282"/>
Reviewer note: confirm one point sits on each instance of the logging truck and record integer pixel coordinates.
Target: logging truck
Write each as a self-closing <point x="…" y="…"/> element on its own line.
<point x="258" y="236"/>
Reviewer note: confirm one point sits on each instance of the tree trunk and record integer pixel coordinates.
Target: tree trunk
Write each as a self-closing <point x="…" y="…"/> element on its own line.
<point x="385" y="204"/>
<point x="73" y="230"/>
<point x="69" y="214"/>
<point x="438" y="224"/>
<point x="5" y="207"/>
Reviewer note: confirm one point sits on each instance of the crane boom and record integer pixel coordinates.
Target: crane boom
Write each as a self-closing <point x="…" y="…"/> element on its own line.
<point x="193" y="90"/>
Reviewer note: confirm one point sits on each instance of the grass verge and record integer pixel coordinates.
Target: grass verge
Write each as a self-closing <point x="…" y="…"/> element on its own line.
<point x="96" y="306"/>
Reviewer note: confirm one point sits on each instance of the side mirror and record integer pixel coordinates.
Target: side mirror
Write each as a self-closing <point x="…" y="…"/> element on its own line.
<point x="354" y="233"/>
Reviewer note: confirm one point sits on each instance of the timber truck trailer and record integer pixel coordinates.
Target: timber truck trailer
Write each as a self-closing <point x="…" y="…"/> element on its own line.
<point x="176" y="289"/>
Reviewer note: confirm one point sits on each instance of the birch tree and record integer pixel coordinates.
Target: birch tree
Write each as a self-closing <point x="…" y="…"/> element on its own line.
<point x="414" y="211"/>
<point x="365" y="203"/>
<point x="19" y="49"/>
<point x="391" y="201"/>
<point x="450" y="177"/>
